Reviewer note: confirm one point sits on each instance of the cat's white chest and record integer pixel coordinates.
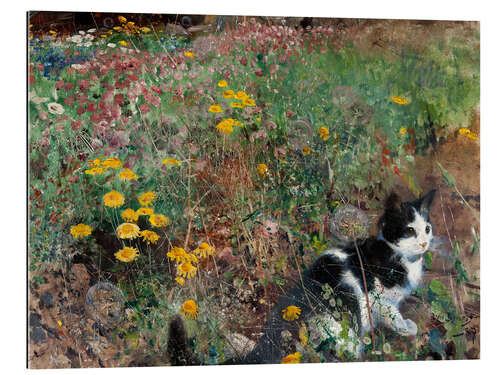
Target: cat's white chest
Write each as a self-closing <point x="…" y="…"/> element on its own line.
<point x="415" y="271"/>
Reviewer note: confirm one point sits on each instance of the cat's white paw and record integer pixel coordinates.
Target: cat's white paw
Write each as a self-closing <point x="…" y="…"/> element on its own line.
<point x="411" y="328"/>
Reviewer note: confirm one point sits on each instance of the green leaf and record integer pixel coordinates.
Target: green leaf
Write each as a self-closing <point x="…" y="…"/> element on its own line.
<point x="428" y="260"/>
<point x="438" y="288"/>
<point x="438" y="311"/>
<point x="447" y="177"/>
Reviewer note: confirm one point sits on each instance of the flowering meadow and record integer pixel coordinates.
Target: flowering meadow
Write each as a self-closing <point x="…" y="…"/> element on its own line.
<point x="201" y="175"/>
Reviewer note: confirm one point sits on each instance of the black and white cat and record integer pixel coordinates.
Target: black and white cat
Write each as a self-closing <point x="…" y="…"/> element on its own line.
<point x="393" y="267"/>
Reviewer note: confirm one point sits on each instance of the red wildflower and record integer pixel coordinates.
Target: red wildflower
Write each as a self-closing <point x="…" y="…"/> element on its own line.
<point x="144" y="108"/>
<point x="75" y="125"/>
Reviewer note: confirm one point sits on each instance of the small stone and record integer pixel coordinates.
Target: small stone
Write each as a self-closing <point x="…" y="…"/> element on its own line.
<point x="38" y="335"/>
<point x="47" y="300"/>
<point x="35" y="320"/>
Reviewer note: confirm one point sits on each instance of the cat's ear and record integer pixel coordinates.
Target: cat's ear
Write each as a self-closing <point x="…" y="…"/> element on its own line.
<point x="393" y="202"/>
<point x="424" y="203"/>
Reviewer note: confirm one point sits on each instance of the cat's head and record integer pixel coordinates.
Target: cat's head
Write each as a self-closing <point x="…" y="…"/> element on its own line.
<point x="406" y="225"/>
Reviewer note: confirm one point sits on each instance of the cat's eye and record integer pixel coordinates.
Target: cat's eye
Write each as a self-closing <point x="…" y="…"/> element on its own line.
<point x="410" y="231"/>
<point x="427" y="229"/>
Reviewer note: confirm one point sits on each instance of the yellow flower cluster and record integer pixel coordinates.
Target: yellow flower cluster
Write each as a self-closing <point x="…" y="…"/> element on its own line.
<point x="145" y="211"/>
<point x="189" y="54"/>
<point x="263" y="170"/>
<point x="324" y="133"/>
<point x="469" y="134"/>
<point x="215" y="108"/>
<point x="95" y="171"/>
<point x="127" y="254"/>
<point x="172" y="162"/>
<point x="158" y="220"/>
<point x="292" y="358"/>
<point x="81" y="230"/>
<point x="128" y="231"/>
<point x="399" y="100"/>
<point x="113" y="199"/>
<point x="291" y="313"/>
<point x="226" y="125"/>
<point x="149" y="236"/>
<point x="185" y="260"/>
<point x="99" y="166"/>
<point x="147" y="198"/>
<point x="113" y="163"/>
<point x="204" y="250"/>
<point x="130" y="215"/>
<point x="190" y="309"/>
<point x="129" y="27"/>
<point x="127" y="174"/>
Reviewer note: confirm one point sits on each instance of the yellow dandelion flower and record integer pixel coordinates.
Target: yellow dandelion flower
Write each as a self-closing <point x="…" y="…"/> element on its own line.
<point x="191" y="55"/>
<point x="241" y="95"/>
<point x="113" y="163"/>
<point x="292" y="358"/>
<point x="258" y="119"/>
<point x="464" y="131"/>
<point x="122" y="19"/>
<point x="178" y="254"/>
<point x="180" y="280"/>
<point x="128" y="231"/>
<point x="204" y="250"/>
<point x="171" y="162"/>
<point x="324" y="133"/>
<point x="158" y="220"/>
<point x="228" y="94"/>
<point x="402" y="131"/>
<point x="81" y="230"/>
<point x="127" y="254"/>
<point x="237" y="105"/>
<point x="399" y="100"/>
<point x="130" y="215"/>
<point x="263" y="170"/>
<point x="222" y="83"/>
<point x="149" y="236"/>
<point x="117" y="28"/>
<point x="190" y="309"/>
<point x="225" y="127"/>
<point x="291" y="313"/>
<point x="145" y="29"/>
<point x="145" y="211"/>
<point x="215" y="108"/>
<point x="472" y="136"/>
<point x="130" y="24"/>
<point x="127" y="174"/>
<point x="147" y="198"/>
<point x="94" y="171"/>
<point x="52" y="32"/>
<point x="186" y="270"/>
<point x="113" y="199"/>
<point x="94" y="162"/>
<point x="249" y="102"/>
<point x="123" y="43"/>
<point x="306" y="150"/>
<point x="468" y="133"/>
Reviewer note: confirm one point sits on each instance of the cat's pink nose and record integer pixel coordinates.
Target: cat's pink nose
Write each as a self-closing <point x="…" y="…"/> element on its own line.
<point x="423" y="244"/>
